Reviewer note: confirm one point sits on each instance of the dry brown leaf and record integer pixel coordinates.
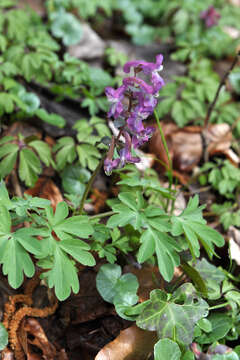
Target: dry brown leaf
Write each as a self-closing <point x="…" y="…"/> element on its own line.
<point x="133" y="343"/>
<point x="45" y="188"/>
<point x="36" y="5"/>
<point x="7" y="355"/>
<point x="33" y="328"/>
<point x="186" y="145"/>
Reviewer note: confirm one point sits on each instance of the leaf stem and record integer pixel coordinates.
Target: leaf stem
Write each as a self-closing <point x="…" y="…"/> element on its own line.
<point x="218" y="306"/>
<point x="89" y="184"/>
<point x="212" y="105"/>
<point x="102" y="215"/>
<point x="169" y="168"/>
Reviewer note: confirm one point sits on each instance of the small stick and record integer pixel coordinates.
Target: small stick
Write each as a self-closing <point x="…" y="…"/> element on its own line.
<point x="211" y="107"/>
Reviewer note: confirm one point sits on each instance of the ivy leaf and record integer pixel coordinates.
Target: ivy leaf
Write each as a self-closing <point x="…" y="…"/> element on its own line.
<point x="221" y="324"/>
<point x="74" y="179"/>
<point x="3" y="337"/>
<point x="173" y="316"/>
<point x="63" y="275"/>
<point x="67" y="27"/>
<point x="166" y="349"/>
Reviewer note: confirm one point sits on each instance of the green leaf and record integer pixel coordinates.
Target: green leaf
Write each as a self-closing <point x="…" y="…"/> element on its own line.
<point x="78" y="250"/>
<point x="173" y="317"/>
<point x="43" y="150"/>
<point x="5" y="224"/>
<point x="3" y="337"/>
<point x="178" y="114"/>
<point x="106" y="281"/>
<point x="9" y="154"/>
<point x="4" y="197"/>
<point x="166" y="349"/>
<point x="66" y="153"/>
<point x="31" y="102"/>
<point x="6" y="103"/>
<point x="67" y="27"/>
<point x="88" y="156"/>
<point x="74" y="179"/>
<point x="75" y="225"/>
<point x="29" y="167"/>
<point x="191" y="223"/>
<point x="52" y="119"/>
<point x="16" y="261"/>
<point x="205" y="325"/>
<point x="221" y="324"/>
<point x="63" y="276"/>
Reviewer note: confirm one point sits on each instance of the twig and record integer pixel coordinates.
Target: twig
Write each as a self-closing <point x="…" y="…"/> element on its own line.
<point x="15" y="183"/>
<point x="212" y="105"/>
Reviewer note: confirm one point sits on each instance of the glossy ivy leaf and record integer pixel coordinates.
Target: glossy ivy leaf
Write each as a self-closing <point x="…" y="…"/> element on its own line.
<point x="173" y="316"/>
<point x="63" y="275"/>
<point x="67" y="27"/>
<point x="31" y="102"/>
<point x="191" y="223"/>
<point x="117" y="289"/>
<point x="3" y="337"/>
<point x="221" y="323"/>
<point x="166" y="349"/>
<point x="74" y="179"/>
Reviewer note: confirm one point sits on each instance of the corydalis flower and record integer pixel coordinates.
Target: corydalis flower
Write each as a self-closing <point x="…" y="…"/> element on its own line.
<point x="141" y="103"/>
<point x="148" y="68"/>
<point x="210" y="16"/>
<point x="125" y="153"/>
<point x="115" y="97"/>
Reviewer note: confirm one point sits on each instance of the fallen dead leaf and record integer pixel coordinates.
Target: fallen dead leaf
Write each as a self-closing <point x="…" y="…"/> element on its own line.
<point x="45" y="188"/>
<point x="133" y="343"/>
<point x="7" y="355"/>
<point x="32" y="327"/>
<point x="234" y="243"/>
<point x="187" y="145"/>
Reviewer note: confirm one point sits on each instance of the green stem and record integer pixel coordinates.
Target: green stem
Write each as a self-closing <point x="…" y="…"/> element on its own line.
<point x="89" y="184"/>
<point x="170" y="170"/>
<point x="218" y="306"/>
<point x="102" y="215"/>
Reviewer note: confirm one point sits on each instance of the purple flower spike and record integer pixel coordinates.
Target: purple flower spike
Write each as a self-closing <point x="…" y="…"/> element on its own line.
<point x="115" y="97"/>
<point x="125" y="153"/>
<point x="157" y="81"/>
<point x="110" y="165"/>
<point x="210" y="16"/>
<point x="146" y="67"/>
<point x="137" y="82"/>
<point x="140" y="138"/>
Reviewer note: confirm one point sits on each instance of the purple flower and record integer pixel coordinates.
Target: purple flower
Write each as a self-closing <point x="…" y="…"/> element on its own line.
<point x="145" y="66"/>
<point x="125" y="153"/>
<point x="110" y="165"/>
<point x="140" y="138"/>
<point x="210" y="16"/>
<point x="115" y="97"/>
<point x="137" y="83"/>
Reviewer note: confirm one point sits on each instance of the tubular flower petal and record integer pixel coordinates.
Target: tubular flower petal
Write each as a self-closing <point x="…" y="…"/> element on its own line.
<point x="210" y="16"/>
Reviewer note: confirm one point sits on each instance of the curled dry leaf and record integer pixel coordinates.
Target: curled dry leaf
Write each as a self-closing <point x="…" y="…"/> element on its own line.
<point x="187" y="145"/>
<point x="234" y="243"/>
<point x="45" y="188"/>
<point x="34" y="329"/>
<point x="7" y="355"/>
<point x="132" y="343"/>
